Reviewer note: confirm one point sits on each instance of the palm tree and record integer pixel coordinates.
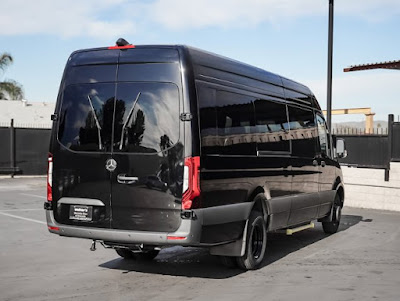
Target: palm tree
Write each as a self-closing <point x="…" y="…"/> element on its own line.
<point x="9" y="89"/>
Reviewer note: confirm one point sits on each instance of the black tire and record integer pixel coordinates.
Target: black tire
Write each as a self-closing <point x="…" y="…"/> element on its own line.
<point x="147" y="255"/>
<point x="228" y="261"/>
<point x="125" y="253"/>
<point x="256" y="242"/>
<point x="333" y="226"/>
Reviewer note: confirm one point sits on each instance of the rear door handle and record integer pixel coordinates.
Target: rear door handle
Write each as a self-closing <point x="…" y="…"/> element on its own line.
<point x="124" y="179"/>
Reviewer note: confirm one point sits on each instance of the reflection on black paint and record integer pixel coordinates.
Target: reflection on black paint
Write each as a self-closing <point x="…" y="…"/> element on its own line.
<point x="155" y="117"/>
<point x="171" y="167"/>
<point x="271" y="126"/>
<point x="88" y="135"/>
<point x="302" y="132"/>
<point x="78" y="129"/>
<point x="235" y="120"/>
<point x="236" y="124"/>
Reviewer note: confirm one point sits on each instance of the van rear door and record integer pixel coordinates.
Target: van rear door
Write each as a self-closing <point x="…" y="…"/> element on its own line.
<point x="120" y="140"/>
<point x="82" y="140"/>
<point x="147" y="183"/>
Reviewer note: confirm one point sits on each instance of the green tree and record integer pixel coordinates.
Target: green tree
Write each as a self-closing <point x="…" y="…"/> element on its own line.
<point x="9" y="89"/>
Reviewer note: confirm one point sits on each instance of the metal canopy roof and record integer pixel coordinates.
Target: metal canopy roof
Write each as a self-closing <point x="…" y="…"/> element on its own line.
<point x="383" y="65"/>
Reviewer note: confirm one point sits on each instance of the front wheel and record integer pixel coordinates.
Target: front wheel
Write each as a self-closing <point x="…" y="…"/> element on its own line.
<point x="256" y="242"/>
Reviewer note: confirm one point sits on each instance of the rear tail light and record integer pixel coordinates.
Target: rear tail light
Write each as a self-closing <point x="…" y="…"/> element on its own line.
<point x="49" y="177"/>
<point x="176" y="237"/>
<point x="122" y="44"/>
<point x="191" y="181"/>
<point x="121" y="47"/>
<point x="53" y="228"/>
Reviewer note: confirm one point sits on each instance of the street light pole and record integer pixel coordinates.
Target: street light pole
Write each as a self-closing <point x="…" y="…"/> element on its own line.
<point x="330" y="54"/>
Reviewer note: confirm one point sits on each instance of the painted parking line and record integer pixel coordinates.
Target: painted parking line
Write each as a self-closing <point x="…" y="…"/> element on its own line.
<point x="33" y="209"/>
<point x="23" y="218"/>
<point x="33" y="195"/>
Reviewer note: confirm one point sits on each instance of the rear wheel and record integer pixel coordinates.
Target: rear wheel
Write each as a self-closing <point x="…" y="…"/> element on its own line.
<point x="256" y="242"/>
<point x="228" y="261"/>
<point x="125" y="253"/>
<point x="148" y="254"/>
<point x="333" y="226"/>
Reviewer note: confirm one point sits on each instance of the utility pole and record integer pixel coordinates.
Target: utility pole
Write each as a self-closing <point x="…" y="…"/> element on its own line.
<point x="330" y="54"/>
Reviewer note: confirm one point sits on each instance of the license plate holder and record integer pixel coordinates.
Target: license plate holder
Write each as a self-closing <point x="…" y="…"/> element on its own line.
<point x="81" y="213"/>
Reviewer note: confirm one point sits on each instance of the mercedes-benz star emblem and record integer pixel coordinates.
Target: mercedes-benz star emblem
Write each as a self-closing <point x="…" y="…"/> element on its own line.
<point x="111" y="165"/>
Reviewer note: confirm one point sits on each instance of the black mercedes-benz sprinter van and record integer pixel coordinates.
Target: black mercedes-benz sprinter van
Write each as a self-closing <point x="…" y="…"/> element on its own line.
<point x="156" y="146"/>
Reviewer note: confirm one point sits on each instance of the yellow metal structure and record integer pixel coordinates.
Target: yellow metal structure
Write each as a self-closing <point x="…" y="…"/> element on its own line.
<point x="369" y="116"/>
<point x="298" y="229"/>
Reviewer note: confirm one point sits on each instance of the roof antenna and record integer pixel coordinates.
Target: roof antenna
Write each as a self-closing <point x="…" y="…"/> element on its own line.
<point x="122" y="42"/>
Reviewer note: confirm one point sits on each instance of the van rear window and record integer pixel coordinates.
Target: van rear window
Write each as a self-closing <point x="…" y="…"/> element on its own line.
<point x="145" y="117"/>
<point x="86" y="117"/>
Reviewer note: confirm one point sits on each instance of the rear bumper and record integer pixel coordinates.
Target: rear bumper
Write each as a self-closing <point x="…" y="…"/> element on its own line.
<point x="189" y="228"/>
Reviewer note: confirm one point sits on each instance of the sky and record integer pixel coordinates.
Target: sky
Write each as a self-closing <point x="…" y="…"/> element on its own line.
<point x="287" y="37"/>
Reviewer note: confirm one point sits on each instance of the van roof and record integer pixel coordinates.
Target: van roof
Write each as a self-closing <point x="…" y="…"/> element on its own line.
<point x="217" y="61"/>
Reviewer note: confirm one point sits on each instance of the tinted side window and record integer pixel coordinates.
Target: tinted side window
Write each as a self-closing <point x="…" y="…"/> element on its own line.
<point x="146" y="117"/>
<point x="208" y="119"/>
<point x="322" y="135"/>
<point x="86" y="117"/>
<point x="271" y="126"/>
<point x="236" y="124"/>
<point x="298" y="97"/>
<point x="302" y="132"/>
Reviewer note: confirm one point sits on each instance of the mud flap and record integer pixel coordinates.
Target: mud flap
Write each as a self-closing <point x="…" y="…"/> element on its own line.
<point x="234" y="249"/>
<point x="329" y="217"/>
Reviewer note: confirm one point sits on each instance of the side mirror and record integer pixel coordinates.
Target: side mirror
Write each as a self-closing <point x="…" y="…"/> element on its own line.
<point x="341" y="151"/>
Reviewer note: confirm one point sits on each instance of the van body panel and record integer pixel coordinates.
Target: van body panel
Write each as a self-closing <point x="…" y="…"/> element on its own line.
<point x="190" y="229"/>
<point x="147" y="148"/>
<point x="326" y="178"/>
<point x="152" y="200"/>
<point x="74" y="180"/>
<point x="148" y="108"/>
<point x="305" y="185"/>
<point x="123" y="106"/>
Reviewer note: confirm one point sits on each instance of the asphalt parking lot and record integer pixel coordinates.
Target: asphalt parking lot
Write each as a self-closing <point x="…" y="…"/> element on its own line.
<point x="361" y="262"/>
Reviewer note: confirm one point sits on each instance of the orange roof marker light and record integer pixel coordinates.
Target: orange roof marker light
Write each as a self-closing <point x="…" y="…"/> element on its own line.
<point x="122" y="44"/>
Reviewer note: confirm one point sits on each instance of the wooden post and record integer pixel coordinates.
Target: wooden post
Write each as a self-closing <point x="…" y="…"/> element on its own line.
<point x="369" y="123"/>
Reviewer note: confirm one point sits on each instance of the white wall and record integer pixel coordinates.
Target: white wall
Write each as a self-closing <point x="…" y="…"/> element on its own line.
<point x="366" y="188"/>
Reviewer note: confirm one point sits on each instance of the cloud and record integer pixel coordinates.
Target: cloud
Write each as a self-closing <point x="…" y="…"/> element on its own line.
<point x="181" y="14"/>
<point x="110" y="18"/>
<point x="184" y="14"/>
<point x="376" y="89"/>
<point x="64" y="18"/>
<point x="370" y="10"/>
